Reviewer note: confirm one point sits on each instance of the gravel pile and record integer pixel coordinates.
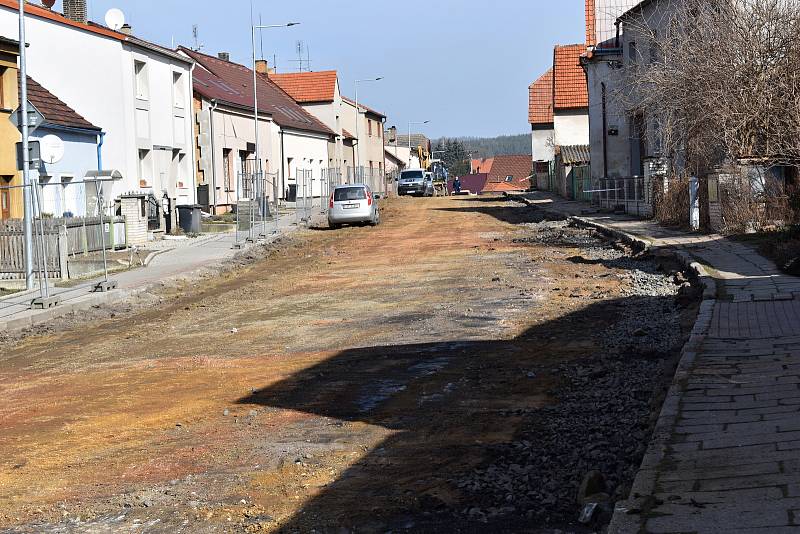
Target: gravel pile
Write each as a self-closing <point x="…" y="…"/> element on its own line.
<point x="603" y="409"/>
<point x="599" y="422"/>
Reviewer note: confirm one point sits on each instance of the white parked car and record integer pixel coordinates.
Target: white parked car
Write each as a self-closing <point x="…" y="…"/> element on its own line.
<point x="353" y="204"/>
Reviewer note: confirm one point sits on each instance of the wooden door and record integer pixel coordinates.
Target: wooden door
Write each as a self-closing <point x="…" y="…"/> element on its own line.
<point x="5" y="204"/>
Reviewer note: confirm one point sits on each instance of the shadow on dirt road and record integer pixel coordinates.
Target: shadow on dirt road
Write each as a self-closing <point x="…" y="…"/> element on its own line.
<point x="458" y="407"/>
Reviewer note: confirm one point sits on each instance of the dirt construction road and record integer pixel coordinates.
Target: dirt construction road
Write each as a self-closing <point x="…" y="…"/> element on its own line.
<point x="349" y="379"/>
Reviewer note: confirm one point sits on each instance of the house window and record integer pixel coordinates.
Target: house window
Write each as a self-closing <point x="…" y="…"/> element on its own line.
<point x="369" y="124"/>
<point x="509" y="178"/>
<point x="632" y="51"/>
<point x="178" y="92"/>
<point x="142" y="81"/>
<point x="226" y="168"/>
<point x="144" y="171"/>
<point x="3" y="71"/>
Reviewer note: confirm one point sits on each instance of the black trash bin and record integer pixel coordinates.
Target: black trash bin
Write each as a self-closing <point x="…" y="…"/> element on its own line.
<point x="189" y="218"/>
<point x="291" y="194"/>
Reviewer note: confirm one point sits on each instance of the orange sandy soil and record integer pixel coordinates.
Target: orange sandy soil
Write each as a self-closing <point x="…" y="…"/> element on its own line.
<point x="360" y="370"/>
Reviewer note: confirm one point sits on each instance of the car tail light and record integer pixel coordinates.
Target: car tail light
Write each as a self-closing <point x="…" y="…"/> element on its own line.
<point x="369" y="198"/>
<point x="330" y="204"/>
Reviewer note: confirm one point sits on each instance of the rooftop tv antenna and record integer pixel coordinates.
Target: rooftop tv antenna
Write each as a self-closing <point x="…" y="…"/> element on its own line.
<point x="301" y="47"/>
<point x="115" y="18"/>
<point x="196" y="36"/>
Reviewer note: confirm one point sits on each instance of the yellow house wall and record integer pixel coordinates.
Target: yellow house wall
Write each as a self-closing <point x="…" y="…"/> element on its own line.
<point x="9" y="135"/>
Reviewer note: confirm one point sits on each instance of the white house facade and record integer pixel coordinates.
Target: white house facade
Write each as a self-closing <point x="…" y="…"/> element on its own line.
<point x="139" y="92"/>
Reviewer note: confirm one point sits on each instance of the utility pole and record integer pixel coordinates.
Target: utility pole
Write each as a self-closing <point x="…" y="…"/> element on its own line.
<point x="26" y="179"/>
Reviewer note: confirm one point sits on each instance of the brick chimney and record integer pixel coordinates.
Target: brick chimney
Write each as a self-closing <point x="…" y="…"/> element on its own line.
<point x="224" y="56"/>
<point x="262" y="67"/>
<point x="75" y="10"/>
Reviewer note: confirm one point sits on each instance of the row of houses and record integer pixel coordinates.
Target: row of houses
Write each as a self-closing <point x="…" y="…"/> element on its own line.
<point x="587" y="143"/>
<point x="178" y="125"/>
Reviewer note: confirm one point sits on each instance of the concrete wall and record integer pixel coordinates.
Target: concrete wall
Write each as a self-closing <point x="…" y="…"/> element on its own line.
<point x="64" y="190"/>
<point x="571" y="128"/>
<point x="617" y="135"/>
<point x="542" y="143"/>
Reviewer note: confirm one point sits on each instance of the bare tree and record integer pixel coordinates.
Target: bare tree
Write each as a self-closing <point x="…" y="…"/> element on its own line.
<point x="718" y="80"/>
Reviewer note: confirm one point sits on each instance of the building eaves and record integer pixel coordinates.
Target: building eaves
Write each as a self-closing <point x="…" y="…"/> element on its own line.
<point x="367" y="109"/>
<point x="153" y="47"/>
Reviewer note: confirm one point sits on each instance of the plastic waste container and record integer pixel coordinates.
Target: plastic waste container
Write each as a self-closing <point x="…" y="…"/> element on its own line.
<point x="189" y="218"/>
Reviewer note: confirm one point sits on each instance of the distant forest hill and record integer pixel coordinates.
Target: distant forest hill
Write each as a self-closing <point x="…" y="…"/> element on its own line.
<point x="488" y="147"/>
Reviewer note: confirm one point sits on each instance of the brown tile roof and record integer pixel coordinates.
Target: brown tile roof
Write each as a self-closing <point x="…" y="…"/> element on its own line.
<point x="361" y="105"/>
<point x="569" y="80"/>
<point x="54" y="110"/>
<point x="233" y="83"/>
<point x="540" y="102"/>
<point x="517" y="166"/>
<point x="347" y="135"/>
<point x="307" y="87"/>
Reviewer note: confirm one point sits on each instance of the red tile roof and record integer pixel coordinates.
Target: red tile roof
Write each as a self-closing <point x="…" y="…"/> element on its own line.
<point x="307" y="87"/>
<point x="517" y="166"/>
<point x="54" y="110"/>
<point x="233" y="83"/>
<point x="569" y="80"/>
<point x="361" y="105"/>
<point x="591" y="23"/>
<point x="482" y="166"/>
<point x="540" y="102"/>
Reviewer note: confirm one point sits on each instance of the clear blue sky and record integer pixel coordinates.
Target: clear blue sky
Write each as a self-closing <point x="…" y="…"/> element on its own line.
<point x="465" y="65"/>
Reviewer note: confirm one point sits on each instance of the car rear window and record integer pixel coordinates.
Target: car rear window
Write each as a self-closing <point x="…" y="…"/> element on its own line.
<point x="349" y="193"/>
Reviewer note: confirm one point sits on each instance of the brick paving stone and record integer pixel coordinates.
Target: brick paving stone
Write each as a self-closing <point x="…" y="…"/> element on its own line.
<point x="731" y="434"/>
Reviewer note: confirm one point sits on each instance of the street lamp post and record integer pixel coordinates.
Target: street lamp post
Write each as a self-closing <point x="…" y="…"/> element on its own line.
<point x="358" y="120"/>
<point x="410" y="123"/>
<point x="257" y="169"/>
<point x="27" y="193"/>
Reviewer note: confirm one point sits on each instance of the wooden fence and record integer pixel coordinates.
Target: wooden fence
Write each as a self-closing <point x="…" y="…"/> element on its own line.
<point x="62" y="238"/>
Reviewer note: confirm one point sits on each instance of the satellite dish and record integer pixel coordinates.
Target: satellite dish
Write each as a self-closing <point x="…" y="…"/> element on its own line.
<point x="51" y="148"/>
<point x="48" y="3"/>
<point x="115" y="18"/>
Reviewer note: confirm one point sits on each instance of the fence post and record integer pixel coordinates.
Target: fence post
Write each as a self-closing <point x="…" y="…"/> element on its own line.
<point x="62" y="252"/>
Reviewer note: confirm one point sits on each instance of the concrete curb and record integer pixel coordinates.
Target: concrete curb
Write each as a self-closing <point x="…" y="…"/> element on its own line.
<point x="628" y="515"/>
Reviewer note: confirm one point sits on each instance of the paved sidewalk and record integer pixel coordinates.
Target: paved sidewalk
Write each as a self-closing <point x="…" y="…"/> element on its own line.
<point x="183" y="258"/>
<point x="725" y="456"/>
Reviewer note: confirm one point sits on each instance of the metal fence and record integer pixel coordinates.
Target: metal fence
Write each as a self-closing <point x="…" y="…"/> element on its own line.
<point x="633" y="195"/>
<point x="256" y="206"/>
<point x="374" y="178"/>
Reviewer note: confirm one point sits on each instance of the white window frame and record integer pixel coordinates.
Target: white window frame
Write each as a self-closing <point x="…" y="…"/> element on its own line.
<point x="178" y="90"/>
<point x="141" y="79"/>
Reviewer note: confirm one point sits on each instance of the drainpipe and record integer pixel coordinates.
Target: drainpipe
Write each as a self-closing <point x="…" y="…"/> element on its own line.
<point x="605" y="133"/>
<point x="101" y="139"/>
<point x="283" y="167"/>
<point x="213" y="199"/>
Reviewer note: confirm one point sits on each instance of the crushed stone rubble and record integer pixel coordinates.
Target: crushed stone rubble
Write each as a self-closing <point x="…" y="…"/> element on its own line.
<point x="603" y="409"/>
